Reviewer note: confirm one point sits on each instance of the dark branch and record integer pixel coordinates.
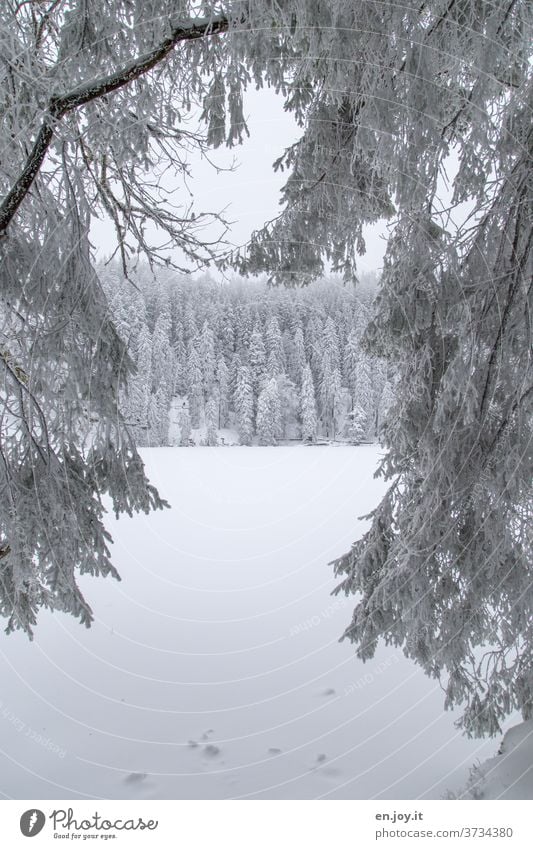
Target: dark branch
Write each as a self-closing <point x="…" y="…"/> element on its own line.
<point x="60" y="105"/>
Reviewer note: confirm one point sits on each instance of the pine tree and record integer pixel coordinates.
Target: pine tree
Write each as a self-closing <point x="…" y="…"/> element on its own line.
<point x="211" y="422"/>
<point x="274" y="348"/>
<point x="269" y="414"/>
<point x="330" y="387"/>
<point x="158" y="416"/>
<point x="184" y="423"/>
<point x="356" y="425"/>
<point x="329" y="346"/>
<point x="308" y="407"/>
<point x="190" y="325"/>
<point x="341" y="406"/>
<point x="223" y="393"/>
<point x="227" y="335"/>
<point x="288" y="396"/>
<point x="299" y="354"/>
<point x="243" y="405"/>
<point x="180" y="368"/>
<point x="363" y="396"/>
<point x="206" y="349"/>
<point x="161" y="349"/>
<point x="135" y="402"/>
<point x="352" y="355"/>
<point x="194" y="385"/>
<point x="313" y="337"/>
<point x="385" y="402"/>
<point x="257" y="359"/>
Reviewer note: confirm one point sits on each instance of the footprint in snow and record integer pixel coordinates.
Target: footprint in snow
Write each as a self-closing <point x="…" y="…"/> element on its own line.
<point x="320" y="759"/>
<point x="135" y="777"/>
<point x="211" y="751"/>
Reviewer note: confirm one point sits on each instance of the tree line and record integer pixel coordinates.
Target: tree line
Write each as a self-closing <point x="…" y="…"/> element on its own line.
<point x="271" y="364"/>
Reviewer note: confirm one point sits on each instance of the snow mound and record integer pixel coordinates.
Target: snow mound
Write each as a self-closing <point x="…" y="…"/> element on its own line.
<point x="508" y="775"/>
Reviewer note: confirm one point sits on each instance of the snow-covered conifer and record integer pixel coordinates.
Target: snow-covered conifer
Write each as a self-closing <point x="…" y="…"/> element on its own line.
<point x="206" y="350"/>
<point x="194" y="385"/>
<point x="161" y="349"/>
<point x="257" y="359"/>
<point x="180" y="367"/>
<point x="352" y="354"/>
<point x="184" y="423"/>
<point x="211" y="422"/>
<point x="329" y="346"/>
<point x="299" y="354"/>
<point x="244" y="405"/>
<point x="308" y="406"/>
<point x="274" y="348"/>
<point x="356" y="425"/>
<point x="269" y="428"/>
<point x="363" y="389"/>
<point x="288" y="396"/>
<point x="330" y="387"/>
<point x="222" y="391"/>
<point x="158" y="416"/>
<point x="135" y="401"/>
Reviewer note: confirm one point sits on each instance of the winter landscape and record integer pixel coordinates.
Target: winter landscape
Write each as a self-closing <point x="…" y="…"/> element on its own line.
<point x="266" y="399"/>
<point x="239" y="363"/>
<point x="213" y="670"/>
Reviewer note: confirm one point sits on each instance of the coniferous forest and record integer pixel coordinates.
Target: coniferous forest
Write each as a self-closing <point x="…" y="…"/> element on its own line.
<point x="243" y="363"/>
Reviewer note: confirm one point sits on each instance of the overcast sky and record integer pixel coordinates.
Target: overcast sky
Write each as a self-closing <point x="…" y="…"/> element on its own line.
<point x="249" y="194"/>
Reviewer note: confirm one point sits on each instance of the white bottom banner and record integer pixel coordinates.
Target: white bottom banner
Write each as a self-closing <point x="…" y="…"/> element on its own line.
<point x="267" y="824"/>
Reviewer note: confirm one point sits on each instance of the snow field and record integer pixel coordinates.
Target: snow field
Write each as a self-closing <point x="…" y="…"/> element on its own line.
<point x="213" y="669"/>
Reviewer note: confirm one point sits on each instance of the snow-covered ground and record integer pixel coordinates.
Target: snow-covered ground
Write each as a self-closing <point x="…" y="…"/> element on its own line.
<point x="508" y="775"/>
<point x="214" y="668"/>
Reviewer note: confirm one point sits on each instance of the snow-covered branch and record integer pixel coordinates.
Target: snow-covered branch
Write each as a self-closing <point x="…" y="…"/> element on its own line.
<point x="61" y="104"/>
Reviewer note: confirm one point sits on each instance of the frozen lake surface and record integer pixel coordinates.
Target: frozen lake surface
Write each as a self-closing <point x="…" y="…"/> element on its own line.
<point x="213" y="669"/>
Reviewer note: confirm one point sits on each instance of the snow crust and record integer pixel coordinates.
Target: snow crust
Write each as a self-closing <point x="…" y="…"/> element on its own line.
<point x="213" y="669"/>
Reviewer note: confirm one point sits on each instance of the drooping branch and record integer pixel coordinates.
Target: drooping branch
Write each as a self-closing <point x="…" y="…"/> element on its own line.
<point x="60" y="105"/>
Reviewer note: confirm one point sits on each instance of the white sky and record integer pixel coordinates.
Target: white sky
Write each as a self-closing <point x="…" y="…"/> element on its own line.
<point x="250" y="194"/>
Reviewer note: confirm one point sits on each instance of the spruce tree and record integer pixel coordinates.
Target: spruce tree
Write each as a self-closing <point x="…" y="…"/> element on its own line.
<point x="206" y="350"/>
<point x="184" y="423"/>
<point x="364" y="390"/>
<point x="243" y="405"/>
<point x="308" y="407"/>
<point x="222" y="392"/>
<point x="356" y="425"/>
<point x="269" y="414"/>
<point x="274" y="348"/>
<point x="300" y="355"/>
<point x="194" y="385"/>
<point x="211" y="422"/>
<point x="257" y="359"/>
